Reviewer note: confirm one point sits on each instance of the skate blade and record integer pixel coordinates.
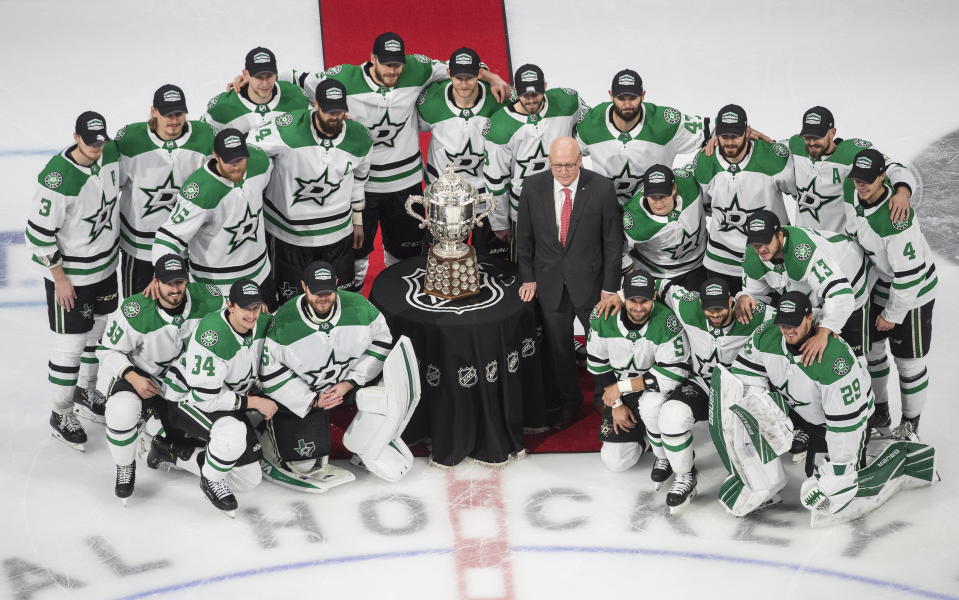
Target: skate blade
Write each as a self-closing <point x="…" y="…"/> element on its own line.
<point x="60" y="438"/>
<point x="229" y="513"/>
<point x="675" y="510"/>
<point x="88" y="415"/>
<point x="774" y="501"/>
<point x="123" y="502"/>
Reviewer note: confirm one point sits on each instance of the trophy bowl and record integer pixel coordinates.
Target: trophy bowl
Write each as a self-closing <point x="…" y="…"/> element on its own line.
<point x="450" y="207"/>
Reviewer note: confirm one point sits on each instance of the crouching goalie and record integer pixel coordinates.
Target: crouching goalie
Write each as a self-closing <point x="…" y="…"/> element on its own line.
<point x="750" y="427"/>
<point x="323" y="345"/>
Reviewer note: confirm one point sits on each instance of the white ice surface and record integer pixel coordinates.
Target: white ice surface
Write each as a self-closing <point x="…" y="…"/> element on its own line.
<point x="887" y="70"/>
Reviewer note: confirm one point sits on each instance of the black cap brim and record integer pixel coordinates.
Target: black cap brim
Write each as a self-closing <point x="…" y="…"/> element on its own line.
<point x="816" y="131"/>
<point x="391" y="58"/>
<point x="736" y="130"/>
<point x="793" y="319"/>
<point x="91" y="139"/>
<point x="863" y="175"/>
<point x="760" y="237"/>
<point x="170" y="109"/>
<point x="714" y="301"/>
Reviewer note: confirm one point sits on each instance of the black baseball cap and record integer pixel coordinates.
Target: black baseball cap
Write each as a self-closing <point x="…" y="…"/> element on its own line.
<point x="170" y="267"/>
<point x="230" y="145"/>
<point x="714" y="293"/>
<point x="331" y="96"/>
<point x="626" y="83"/>
<point x="731" y="120"/>
<point x="245" y="293"/>
<point x="867" y="165"/>
<point x="639" y="284"/>
<point x="389" y="48"/>
<point x="529" y="79"/>
<point x="319" y="277"/>
<point x="761" y="227"/>
<point x="464" y="61"/>
<point x="169" y="99"/>
<point x="816" y="122"/>
<point x="792" y="309"/>
<point x="261" y="60"/>
<point x="92" y="128"/>
<point x="658" y="181"/>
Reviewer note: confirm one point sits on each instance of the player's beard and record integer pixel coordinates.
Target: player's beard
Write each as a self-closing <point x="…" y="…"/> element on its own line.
<point x="736" y="151"/>
<point x="331" y="127"/>
<point x="626" y="114"/>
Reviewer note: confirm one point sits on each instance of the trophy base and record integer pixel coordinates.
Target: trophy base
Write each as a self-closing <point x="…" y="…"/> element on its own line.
<point x="452" y="278"/>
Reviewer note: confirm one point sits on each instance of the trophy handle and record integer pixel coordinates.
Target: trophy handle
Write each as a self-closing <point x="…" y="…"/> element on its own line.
<point x="410" y="201"/>
<point x="490" y="207"/>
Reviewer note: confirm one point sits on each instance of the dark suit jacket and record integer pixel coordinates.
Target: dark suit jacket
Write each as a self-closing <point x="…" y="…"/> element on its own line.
<point x="591" y="260"/>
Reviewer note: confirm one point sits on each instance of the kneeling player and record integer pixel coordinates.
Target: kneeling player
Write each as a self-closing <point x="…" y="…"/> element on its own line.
<point x="143" y="337"/>
<point x="208" y="432"/>
<point x="638" y="356"/>
<point x="323" y="346"/>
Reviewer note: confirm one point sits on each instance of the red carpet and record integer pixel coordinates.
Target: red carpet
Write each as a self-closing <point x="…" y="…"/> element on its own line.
<point x="436" y="29"/>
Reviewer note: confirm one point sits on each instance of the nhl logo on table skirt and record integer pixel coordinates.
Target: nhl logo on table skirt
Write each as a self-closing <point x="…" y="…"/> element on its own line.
<point x="467" y="376"/>
<point x="491" y="292"/>
<point x="512" y="361"/>
<point x="528" y="348"/>
<point x="433" y="375"/>
<point x="492" y="371"/>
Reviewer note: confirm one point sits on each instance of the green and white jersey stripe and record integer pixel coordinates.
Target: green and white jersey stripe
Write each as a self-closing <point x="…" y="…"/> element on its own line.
<point x="835" y="392"/>
<point x="218" y="225"/>
<point x="661" y="133"/>
<point x="819" y="182"/>
<point x="659" y="347"/>
<point x="457" y="133"/>
<point x="74" y="211"/>
<point x="733" y="192"/>
<point x="141" y="334"/>
<point x="317" y="182"/>
<point x="671" y="245"/>
<point x="151" y="173"/>
<point x="830" y="268"/>
<point x="220" y="366"/>
<point x="235" y="109"/>
<point x="305" y="355"/>
<point x="897" y="250"/>
<point x="517" y="146"/>
<point x="388" y="112"/>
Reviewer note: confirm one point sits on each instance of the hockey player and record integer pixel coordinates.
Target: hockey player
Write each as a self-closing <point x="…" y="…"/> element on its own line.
<point x="742" y="178"/>
<point x="322" y="346"/>
<point x="143" y="338"/>
<point x="257" y="98"/>
<point x="822" y="162"/>
<point x="217" y="223"/>
<point x="830" y="267"/>
<point x="382" y="95"/>
<point x="156" y="157"/>
<point x="627" y="135"/>
<point x="72" y="231"/>
<point x="519" y="138"/>
<point x="904" y="295"/>
<point x="207" y="431"/>
<point x="834" y="396"/>
<point x="456" y="113"/>
<point x="314" y="203"/>
<point x="665" y="227"/>
<point x="715" y="338"/>
<point x="638" y="357"/>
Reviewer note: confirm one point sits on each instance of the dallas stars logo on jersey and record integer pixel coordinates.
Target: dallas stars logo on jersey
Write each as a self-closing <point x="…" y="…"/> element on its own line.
<point x="102" y="219"/>
<point x="161" y="197"/>
<point x="328" y="375"/>
<point x="536" y="163"/>
<point x="734" y="217"/>
<point x="811" y="201"/>
<point x="317" y="190"/>
<point x="626" y="183"/>
<point x="244" y="230"/>
<point x="688" y="243"/>
<point x="384" y="133"/>
<point x="466" y="160"/>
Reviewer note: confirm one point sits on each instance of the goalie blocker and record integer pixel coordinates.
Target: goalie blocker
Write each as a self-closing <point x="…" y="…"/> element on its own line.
<point x="295" y="450"/>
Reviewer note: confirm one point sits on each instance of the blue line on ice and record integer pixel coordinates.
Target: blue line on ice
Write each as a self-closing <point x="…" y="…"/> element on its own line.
<point x="705" y="556"/>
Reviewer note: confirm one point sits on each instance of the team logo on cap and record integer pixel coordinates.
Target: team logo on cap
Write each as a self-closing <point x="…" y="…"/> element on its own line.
<point x="392" y="46"/>
<point x="841" y="366"/>
<point x="714" y="289"/>
<point x="803" y="251"/>
<point x="334" y="94"/>
<point x="729" y="117"/>
<point x="232" y="141"/>
<point x="529" y="76"/>
<point x="131" y="309"/>
<point x="172" y="96"/>
<point x="95" y="125"/>
<point x="250" y="289"/>
<point x="463" y="58"/>
<point x="864" y="162"/>
<point x="53" y="180"/>
<point x="656" y="177"/>
<point x="626" y="79"/>
<point x="190" y="190"/>
<point x="208" y="338"/>
<point x="322" y="274"/>
<point x="173" y="264"/>
<point x="639" y="281"/>
<point x="813" y="119"/>
<point x="757" y="225"/>
<point x="261" y="57"/>
<point x="787" y="306"/>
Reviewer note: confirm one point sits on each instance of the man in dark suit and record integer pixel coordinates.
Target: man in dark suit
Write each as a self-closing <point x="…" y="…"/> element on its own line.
<point x="569" y="247"/>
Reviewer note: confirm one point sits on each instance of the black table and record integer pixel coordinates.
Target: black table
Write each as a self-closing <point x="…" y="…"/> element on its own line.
<point x="479" y="361"/>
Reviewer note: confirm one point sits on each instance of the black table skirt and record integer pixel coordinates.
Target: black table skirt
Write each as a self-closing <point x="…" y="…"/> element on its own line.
<point x="479" y="362"/>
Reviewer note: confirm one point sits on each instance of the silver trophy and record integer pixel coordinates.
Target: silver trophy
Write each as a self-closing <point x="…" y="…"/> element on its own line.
<point x="450" y="207"/>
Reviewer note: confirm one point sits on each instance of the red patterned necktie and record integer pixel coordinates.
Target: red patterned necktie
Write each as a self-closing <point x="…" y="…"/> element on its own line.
<point x="564" y="215"/>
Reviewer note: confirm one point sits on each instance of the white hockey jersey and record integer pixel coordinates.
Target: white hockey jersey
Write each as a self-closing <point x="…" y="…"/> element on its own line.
<point x="235" y="109"/>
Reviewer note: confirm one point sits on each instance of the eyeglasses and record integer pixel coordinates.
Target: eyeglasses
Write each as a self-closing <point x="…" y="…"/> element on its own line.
<point x="563" y="166"/>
